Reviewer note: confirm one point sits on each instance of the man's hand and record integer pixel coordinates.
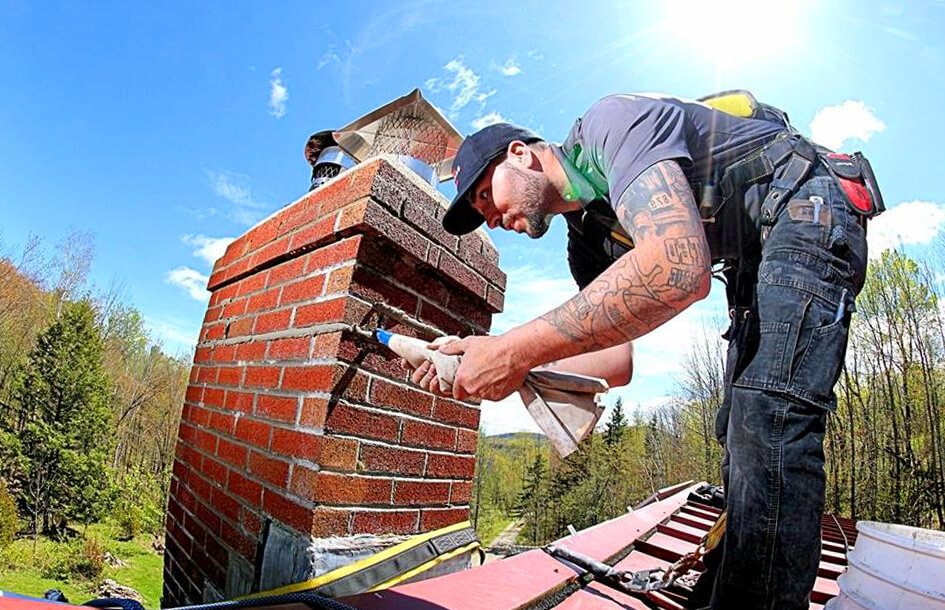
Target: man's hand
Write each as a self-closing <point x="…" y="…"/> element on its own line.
<point x="490" y="369"/>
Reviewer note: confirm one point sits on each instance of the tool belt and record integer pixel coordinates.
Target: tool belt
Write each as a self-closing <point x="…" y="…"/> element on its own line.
<point x="787" y="161"/>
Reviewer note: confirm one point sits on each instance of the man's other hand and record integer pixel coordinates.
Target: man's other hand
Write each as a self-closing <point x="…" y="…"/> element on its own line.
<point x="490" y="369"/>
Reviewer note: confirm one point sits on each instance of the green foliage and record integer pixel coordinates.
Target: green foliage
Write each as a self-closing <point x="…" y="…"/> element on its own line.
<point x="57" y="456"/>
<point x="139" y="502"/>
<point x="9" y="518"/>
<point x="617" y="426"/>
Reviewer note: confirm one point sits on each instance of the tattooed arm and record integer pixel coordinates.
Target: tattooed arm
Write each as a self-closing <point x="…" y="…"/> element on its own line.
<point x="668" y="269"/>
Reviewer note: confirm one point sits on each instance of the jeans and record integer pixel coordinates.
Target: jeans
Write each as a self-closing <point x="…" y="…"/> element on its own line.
<point x="785" y="354"/>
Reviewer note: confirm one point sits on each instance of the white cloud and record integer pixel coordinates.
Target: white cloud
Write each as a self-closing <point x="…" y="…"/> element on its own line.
<point x="209" y="249"/>
<point x="482" y="97"/>
<point x="908" y="223"/>
<point x="507" y="415"/>
<point x="464" y="86"/>
<point x="330" y="57"/>
<point x="532" y="291"/>
<point x="834" y="125"/>
<point x="535" y="55"/>
<point x="191" y="280"/>
<point x="177" y="336"/>
<point x="278" y="94"/>
<point x="510" y="68"/>
<point x="489" y="119"/>
<point x="235" y="188"/>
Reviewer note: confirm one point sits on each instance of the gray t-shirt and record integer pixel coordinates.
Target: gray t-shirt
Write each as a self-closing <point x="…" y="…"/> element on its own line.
<point x="620" y="136"/>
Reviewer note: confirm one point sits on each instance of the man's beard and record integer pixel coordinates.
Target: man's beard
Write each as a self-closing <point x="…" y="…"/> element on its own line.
<point x="531" y="189"/>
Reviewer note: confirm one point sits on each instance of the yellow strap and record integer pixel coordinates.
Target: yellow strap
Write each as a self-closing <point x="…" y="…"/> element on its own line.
<point x="423" y="568"/>
<point x="357" y="566"/>
<point x="714" y="536"/>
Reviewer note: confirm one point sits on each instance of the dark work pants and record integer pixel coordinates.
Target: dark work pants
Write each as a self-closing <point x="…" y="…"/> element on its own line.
<point x="784" y="357"/>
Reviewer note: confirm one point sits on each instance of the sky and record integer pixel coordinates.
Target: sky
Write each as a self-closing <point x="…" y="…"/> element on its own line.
<point x="167" y="129"/>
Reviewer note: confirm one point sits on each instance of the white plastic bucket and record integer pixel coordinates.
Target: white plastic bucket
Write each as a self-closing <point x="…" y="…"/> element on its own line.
<point x="893" y="567"/>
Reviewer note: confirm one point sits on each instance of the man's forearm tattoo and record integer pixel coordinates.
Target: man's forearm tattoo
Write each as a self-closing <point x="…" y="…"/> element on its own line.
<point x="651" y="283"/>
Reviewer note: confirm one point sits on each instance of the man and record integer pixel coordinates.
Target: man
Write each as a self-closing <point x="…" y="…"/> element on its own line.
<point x="655" y="190"/>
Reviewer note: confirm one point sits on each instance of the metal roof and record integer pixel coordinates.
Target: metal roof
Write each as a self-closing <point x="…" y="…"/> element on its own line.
<point x="654" y="534"/>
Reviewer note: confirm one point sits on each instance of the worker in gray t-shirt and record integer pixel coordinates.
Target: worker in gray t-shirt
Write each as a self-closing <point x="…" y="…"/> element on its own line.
<point x="656" y="190"/>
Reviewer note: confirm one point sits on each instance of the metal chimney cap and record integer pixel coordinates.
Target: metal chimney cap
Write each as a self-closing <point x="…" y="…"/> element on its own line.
<point x="358" y="138"/>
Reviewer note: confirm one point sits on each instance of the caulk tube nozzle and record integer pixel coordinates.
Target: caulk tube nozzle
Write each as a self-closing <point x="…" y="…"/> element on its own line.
<point x="383" y="336"/>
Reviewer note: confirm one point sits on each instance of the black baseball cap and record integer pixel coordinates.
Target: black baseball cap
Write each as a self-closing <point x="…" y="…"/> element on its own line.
<point x="473" y="157"/>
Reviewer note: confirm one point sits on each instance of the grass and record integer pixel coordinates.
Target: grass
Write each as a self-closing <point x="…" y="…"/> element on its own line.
<point x="22" y="570"/>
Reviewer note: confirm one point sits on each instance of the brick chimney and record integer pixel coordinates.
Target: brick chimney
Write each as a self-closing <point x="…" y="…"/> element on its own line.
<point x="296" y="435"/>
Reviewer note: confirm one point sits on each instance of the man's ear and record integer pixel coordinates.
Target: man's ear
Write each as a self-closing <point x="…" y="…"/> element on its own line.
<point x="520" y="153"/>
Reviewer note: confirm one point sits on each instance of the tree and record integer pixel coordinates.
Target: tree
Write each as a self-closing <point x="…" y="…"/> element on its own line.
<point x="59" y="452"/>
<point x="617" y="426"/>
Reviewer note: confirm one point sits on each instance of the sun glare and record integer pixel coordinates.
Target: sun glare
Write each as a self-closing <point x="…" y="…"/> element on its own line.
<point x="732" y="31"/>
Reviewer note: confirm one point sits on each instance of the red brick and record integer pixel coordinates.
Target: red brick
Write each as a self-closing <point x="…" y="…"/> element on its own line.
<point x="269" y="252"/>
<point x="188" y="455"/>
<point x="313" y="233"/>
<point x="401" y="398"/>
<point x="277" y="407"/>
<point x="302" y="445"/>
<point x="347" y="489"/>
<point x="372" y="287"/>
<point x="448" y="411"/>
<point x="451" y="466"/>
<point x="285" y="510"/>
<point x="353" y="420"/>
<point x="236" y="308"/>
<point x="239" y="401"/>
<point x="231" y="452"/>
<point x="224" y="504"/>
<point x="217" y="551"/>
<point x="262" y="377"/>
<point x="251" y="522"/>
<point x="202" y="354"/>
<point x="251" y="284"/>
<point x="208" y="517"/>
<point x="222" y="422"/>
<point x="268" y="469"/>
<point x="253" y="431"/>
<point x="436" y="518"/>
<point x="224" y="353"/>
<point x="251" y="491"/>
<point x="329" y="522"/>
<point x="288" y="270"/>
<point x="338" y="453"/>
<point x="384" y="522"/>
<point x="214" y="470"/>
<point x="304" y="481"/>
<point x="460" y="492"/>
<point x="272" y="321"/>
<point x="240" y="328"/>
<point x="421" y="493"/>
<point x="303" y="290"/>
<point x="333" y="254"/>
<point x="205" y="441"/>
<point x="207" y="374"/>
<point x="242" y="544"/>
<point x="297" y="348"/>
<point x="194" y="394"/>
<point x="464" y="276"/>
<point x="466" y="441"/>
<point x="213" y="397"/>
<point x="314" y="411"/>
<point x="198" y="415"/>
<point x="378" y="458"/>
<point x="339" y="280"/>
<point x="495" y="299"/>
<point x="422" y="434"/>
<point x="320" y="313"/>
<point x="432" y="314"/>
<point x="316" y="378"/>
<point x="229" y="375"/>
<point x="252" y="351"/>
<point x="263" y="300"/>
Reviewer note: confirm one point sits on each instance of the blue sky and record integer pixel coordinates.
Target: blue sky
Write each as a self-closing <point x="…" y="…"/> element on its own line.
<point x="166" y="128"/>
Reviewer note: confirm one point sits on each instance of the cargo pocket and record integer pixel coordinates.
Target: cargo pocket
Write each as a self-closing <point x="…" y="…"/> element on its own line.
<point x="767" y="370"/>
<point x="820" y="363"/>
